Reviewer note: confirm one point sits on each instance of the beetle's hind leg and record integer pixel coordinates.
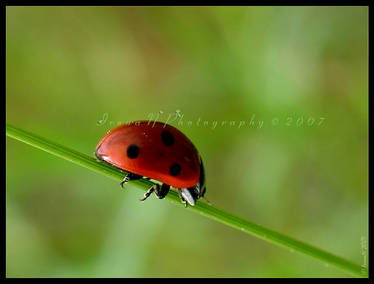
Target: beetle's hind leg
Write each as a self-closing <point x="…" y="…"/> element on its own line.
<point x="128" y="177"/>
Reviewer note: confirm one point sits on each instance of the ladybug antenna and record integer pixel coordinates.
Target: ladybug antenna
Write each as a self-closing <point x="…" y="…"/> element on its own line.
<point x="207" y="201"/>
<point x="203" y="197"/>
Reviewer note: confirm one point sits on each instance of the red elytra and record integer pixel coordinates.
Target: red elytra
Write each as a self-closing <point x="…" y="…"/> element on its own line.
<point x="154" y="150"/>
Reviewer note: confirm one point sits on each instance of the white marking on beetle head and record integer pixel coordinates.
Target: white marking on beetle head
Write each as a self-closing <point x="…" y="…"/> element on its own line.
<point x="105" y="158"/>
<point x="185" y="193"/>
<point x="198" y="189"/>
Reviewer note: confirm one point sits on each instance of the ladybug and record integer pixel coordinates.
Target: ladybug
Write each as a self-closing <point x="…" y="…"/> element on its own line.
<point x="157" y="151"/>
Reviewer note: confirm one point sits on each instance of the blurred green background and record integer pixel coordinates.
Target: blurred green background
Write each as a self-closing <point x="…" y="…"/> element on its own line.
<point x="298" y="73"/>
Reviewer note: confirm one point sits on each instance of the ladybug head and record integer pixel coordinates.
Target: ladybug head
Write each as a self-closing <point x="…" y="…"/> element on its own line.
<point x="202" y="179"/>
<point x="192" y="194"/>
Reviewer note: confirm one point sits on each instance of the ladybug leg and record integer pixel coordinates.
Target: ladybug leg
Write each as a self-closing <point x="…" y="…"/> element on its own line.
<point x="128" y="177"/>
<point x="160" y="192"/>
<point x="163" y="191"/>
<point x="155" y="187"/>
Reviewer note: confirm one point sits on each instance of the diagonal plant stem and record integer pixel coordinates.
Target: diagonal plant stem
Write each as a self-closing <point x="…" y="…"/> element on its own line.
<point x="205" y="209"/>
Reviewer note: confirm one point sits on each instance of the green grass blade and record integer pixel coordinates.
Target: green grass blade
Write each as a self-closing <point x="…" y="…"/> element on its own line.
<point x="205" y="209"/>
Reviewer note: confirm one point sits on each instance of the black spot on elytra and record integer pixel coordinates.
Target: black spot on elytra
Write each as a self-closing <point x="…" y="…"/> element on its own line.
<point x="132" y="151"/>
<point x="167" y="138"/>
<point x="175" y="169"/>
